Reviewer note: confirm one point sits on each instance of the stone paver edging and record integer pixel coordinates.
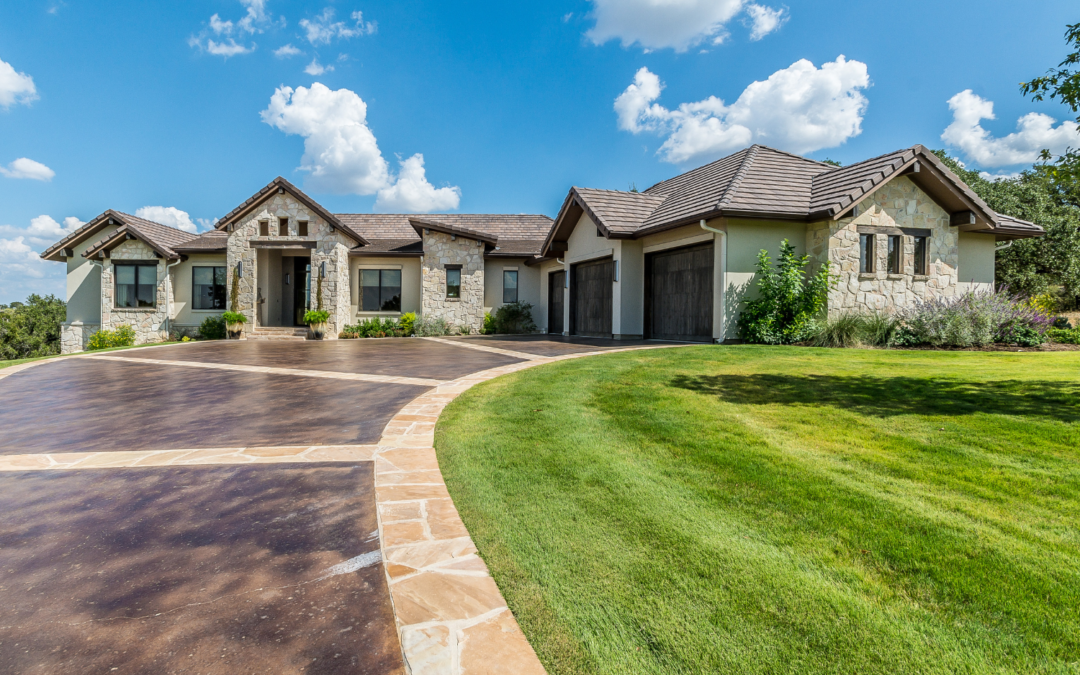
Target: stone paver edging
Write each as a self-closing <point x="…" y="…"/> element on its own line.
<point x="451" y="617"/>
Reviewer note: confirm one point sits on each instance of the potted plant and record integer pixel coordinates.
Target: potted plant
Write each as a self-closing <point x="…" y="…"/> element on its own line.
<point x="234" y="324"/>
<point x="316" y="321"/>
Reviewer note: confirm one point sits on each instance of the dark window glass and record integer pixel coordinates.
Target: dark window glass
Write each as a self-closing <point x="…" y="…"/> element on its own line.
<point x="866" y="253"/>
<point x="208" y="287"/>
<point x="453" y="283"/>
<point x="920" y="255"/>
<point x="510" y="288"/>
<point x="283" y="227"/>
<point x="380" y="290"/>
<point x="301" y="228"/>
<point x="896" y="248"/>
<point x="136" y="285"/>
<point x="264" y="228"/>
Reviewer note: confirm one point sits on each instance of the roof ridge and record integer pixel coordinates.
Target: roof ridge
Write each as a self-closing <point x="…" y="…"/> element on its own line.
<point x="420" y="215"/>
<point x="154" y="222"/>
<point x="793" y="155"/>
<point x="740" y="173"/>
<point x="884" y="154"/>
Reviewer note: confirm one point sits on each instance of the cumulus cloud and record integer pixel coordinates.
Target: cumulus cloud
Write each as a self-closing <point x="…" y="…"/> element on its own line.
<point x="15" y="87"/>
<point x="168" y="215"/>
<point x="764" y="20"/>
<point x="674" y="24"/>
<point x="412" y="193"/>
<point x="799" y="109"/>
<point x="1034" y="133"/>
<point x="22" y="271"/>
<point x="341" y="155"/>
<point x="254" y="21"/>
<point x="315" y="68"/>
<point x="287" y="51"/>
<point x="29" y="169"/>
<point x="322" y="29"/>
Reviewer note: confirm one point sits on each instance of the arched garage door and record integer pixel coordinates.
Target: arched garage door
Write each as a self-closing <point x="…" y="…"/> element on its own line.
<point x="591" y="298"/>
<point x="679" y="294"/>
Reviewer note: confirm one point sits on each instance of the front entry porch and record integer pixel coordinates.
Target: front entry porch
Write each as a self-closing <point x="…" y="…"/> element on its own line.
<point x="284" y="287"/>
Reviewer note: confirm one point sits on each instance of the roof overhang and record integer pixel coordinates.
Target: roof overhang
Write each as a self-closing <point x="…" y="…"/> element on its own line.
<point x="65" y="248"/>
<point x="124" y="233"/>
<point x="573" y="207"/>
<point x="420" y="224"/>
<point x="280" y="186"/>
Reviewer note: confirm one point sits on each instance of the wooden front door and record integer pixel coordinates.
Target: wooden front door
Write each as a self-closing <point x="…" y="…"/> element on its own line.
<point x="556" y="301"/>
<point x="591" y="292"/>
<point x="679" y="294"/>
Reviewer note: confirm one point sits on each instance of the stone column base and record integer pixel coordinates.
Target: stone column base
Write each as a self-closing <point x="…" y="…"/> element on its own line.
<point x="74" y="335"/>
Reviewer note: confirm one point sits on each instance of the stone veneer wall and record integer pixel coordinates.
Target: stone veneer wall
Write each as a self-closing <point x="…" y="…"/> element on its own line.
<point x="467" y="312"/>
<point x="149" y="324"/>
<point x="74" y="336"/>
<point x="331" y="247"/>
<point x="899" y="203"/>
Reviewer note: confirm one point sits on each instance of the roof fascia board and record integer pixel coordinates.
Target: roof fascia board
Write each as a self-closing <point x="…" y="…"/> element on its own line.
<point x="80" y="235"/>
<point x="121" y="235"/>
<point x="284" y="186"/>
<point x="560" y="222"/>
<point x="419" y="224"/>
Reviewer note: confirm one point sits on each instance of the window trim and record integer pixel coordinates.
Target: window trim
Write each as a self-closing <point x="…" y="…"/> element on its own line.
<point x="301" y="228"/>
<point x="517" y="281"/>
<point x="446" y="278"/>
<point x="896" y="243"/>
<point x="380" y="270"/>
<point x="920" y="260"/>
<point x="264" y="228"/>
<point x="868" y="253"/>
<point x="224" y="287"/>
<point x="116" y="283"/>
<point x="283" y="227"/>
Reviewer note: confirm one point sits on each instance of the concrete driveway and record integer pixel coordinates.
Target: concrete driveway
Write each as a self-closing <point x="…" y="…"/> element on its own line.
<point x="204" y="566"/>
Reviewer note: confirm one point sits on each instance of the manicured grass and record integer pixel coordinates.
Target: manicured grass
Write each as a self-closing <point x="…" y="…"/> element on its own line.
<point x="780" y="510"/>
<point x="15" y="362"/>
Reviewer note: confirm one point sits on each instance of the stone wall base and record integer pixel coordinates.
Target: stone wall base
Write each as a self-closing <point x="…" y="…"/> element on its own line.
<point x="73" y="336"/>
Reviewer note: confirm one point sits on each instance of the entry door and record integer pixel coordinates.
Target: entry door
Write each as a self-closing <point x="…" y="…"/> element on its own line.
<point x="679" y="294"/>
<point x="302" y="289"/>
<point x="556" y="301"/>
<point x="591" y="296"/>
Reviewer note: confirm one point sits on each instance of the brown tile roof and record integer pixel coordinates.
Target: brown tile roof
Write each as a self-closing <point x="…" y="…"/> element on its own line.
<point x="420" y="224"/>
<point x="390" y="247"/>
<point x="516" y="248"/>
<point x="159" y="237"/>
<point x="618" y="212"/>
<point x="1007" y="225"/>
<point x="207" y="242"/>
<point x="518" y="232"/>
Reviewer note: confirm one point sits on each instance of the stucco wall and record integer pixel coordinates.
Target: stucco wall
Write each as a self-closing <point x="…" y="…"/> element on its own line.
<point x="184" y="316"/>
<point x="84" y="282"/>
<point x="978" y="253"/>
<point x="149" y="323"/>
<point x="528" y="284"/>
<point x="745" y="239"/>
<point x="466" y="312"/>
<point x="410" y="284"/>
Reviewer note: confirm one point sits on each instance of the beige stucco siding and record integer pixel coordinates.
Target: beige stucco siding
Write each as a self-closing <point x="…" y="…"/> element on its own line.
<point x="84" y="282"/>
<point x="977" y="256"/>
<point x="528" y="284"/>
<point x="410" y="284"/>
<point x="745" y="239"/>
<point x="184" y="315"/>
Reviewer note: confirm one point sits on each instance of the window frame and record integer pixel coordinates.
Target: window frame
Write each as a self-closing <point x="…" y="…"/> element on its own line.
<point x="506" y="288"/>
<point x="457" y="269"/>
<point x="381" y="287"/>
<point x="894" y="260"/>
<point x="137" y="264"/>
<point x="214" y="285"/>
<point x="264" y="228"/>
<point x="919" y="268"/>
<point x="867" y="253"/>
<point x="301" y="228"/>
<point x="283" y="227"/>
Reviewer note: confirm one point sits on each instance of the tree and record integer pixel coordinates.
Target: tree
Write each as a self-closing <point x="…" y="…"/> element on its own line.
<point x="788" y="302"/>
<point x="33" y="328"/>
<point x="1032" y="266"/>
<point x="1063" y="84"/>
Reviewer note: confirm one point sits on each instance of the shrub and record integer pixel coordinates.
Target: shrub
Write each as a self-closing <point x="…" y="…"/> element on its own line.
<point x="1044" y="302"/>
<point x="212" y="328"/>
<point x="847" y="330"/>
<point x="374" y="327"/>
<point x="407" y="322"/>
<point x="514" y="317"/>
<point x="1068" y="336"/>
<point x="489" y="324"/>
<point x="788" y="301"/>
<point x="429" y="327"/>
<point x="316" y="316"/>
<point x="123" y="336"/>
<point x="880" y="330"/>
<point x="1061" y="322"/>
<point x="31" y="328"/>
<point x="905" y="337"/>
<point x="974" y="319"/>
<point x="233" y="317"/>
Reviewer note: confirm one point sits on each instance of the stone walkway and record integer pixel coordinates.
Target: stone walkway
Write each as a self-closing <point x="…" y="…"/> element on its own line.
<point x="450" y="615"/>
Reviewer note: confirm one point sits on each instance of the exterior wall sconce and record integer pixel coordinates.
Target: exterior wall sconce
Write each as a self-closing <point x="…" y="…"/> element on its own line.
<point x="616" y="270"/>
<point x="322" y="270"/>
<point x="240" y="268"/>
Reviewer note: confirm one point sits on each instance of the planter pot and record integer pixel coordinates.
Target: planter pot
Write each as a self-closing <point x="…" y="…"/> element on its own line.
<point x="318" y="330"/>
<point x="234" y="330"/>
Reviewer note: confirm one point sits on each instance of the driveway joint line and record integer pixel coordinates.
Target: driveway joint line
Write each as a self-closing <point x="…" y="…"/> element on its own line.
<point x="485" y="348"/>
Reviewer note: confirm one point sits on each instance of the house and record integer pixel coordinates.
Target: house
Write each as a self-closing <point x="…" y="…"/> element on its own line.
<point x="672" y="262"/>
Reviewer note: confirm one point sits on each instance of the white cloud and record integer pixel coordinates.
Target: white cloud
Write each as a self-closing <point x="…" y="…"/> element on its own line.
<point x="412" y="193"/>
<point x="995" y="177"/>
<point x="168" y="215"/>
<point x="227" y="49"/>
<point x="341" y="154"/>
<point x="675" y="24"/>
<point x="27" y="168"/>
<point x="764" y="20"/>
<point x="253" y="21"/>
<point x="1035" y="132"/>
<point x="322" y="29"/>
<point x="316" y="68"/>
<point x="255" y="17"/>
<point x="219" y="26"/>
<point x="287" y="51"/>
<point x="22" y="271"/>
<point x="15" y="87"/>
<point x="799" y="109"/>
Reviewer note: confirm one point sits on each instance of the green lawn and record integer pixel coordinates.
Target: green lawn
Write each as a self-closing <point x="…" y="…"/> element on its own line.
<point x="780" y="510"/>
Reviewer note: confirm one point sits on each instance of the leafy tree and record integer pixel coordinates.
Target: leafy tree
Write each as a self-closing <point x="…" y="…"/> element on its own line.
<point x="788" y="301"/>
<point x="33" y="328"/>
<point x="1032" y="266"/>
<point x="1063" y="84"/>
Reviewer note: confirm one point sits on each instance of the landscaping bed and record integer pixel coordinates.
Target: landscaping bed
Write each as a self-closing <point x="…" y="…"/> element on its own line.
<point x="754" y="509"/>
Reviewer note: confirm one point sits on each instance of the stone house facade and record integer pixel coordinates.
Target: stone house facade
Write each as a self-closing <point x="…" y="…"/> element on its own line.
<point x="442" y="252"/>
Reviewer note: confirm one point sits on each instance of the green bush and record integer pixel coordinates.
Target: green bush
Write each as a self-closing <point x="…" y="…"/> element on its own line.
<point x="212" y="328"/>
<point x="880" y="330"/>
<point x="123" y="336"/>
<point x="32" y="328"/>
<point x="847" y="330"/>
<point x="1061" y="322"/>
<point x="407" y="322"/>
<point x="514" y="317"/>
<point x="788" y="301"/>
<point x="975" y="318"/>
<point x="428" y="327"/>
<point x="1068" y="336"/>
<point x="489" y="324"/>
<point x="316" y="316"/>
<point x="374" y="327"/>
<point x="234" y="317"/>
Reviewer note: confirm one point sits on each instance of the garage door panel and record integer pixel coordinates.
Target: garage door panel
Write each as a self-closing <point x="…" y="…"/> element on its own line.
<point x="680" y="294"/>
<point x="592" y="298"/>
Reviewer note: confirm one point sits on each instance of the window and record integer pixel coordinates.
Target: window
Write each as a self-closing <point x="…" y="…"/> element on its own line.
<point x="380" y="290"/>
<point x="920" y="255"/>
<point x="896" y="250"/>
<point x="510" y="286"/>
<point x="866" y="253"/>
<point x="264" y="228"/>
<point x="453" y="282"/>
<point x="301" y="228"/>
<point x="136" y="285"/>
<point x="283" y="227"/>
<point x="208" y="287"/>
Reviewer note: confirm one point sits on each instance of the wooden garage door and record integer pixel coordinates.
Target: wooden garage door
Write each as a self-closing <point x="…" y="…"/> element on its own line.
<point x="679" y="294"/>
<point x="556" y="294"/>
<point x="591" y="295"/>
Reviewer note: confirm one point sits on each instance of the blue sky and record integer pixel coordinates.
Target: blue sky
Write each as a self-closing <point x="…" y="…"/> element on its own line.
<point x="482" y="106"/>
